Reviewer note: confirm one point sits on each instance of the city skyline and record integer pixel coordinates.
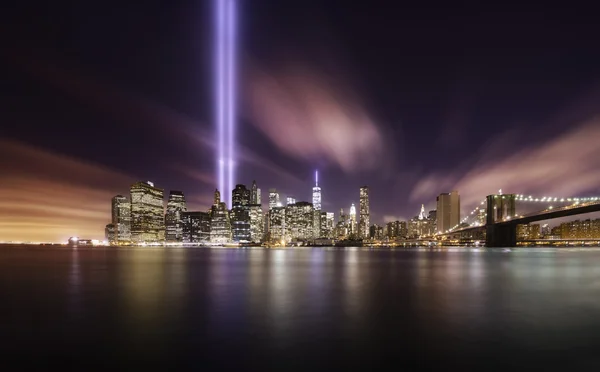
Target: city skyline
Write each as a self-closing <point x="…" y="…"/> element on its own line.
<point x="93" y="110"/>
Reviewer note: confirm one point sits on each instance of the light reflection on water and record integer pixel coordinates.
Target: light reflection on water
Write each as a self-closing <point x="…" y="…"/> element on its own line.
<point x="155" y="305"/>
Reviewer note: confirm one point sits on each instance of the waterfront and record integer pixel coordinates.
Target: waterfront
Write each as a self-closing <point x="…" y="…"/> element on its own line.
<point x="304" y="308"/>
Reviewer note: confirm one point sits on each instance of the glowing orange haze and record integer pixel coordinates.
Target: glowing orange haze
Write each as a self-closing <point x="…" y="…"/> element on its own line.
<point x="48" y="197"/>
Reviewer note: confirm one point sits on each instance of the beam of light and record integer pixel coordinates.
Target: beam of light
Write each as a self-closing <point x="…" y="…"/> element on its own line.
<point x="231" y="74"/>
<point x="226" y="81"/>
<point x="220" y="90"/>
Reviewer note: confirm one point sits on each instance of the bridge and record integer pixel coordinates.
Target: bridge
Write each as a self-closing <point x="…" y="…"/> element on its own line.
<point x="496" y="217"/>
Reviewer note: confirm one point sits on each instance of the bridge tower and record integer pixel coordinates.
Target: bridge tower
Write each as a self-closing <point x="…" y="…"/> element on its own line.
<point x="498" y="232"/>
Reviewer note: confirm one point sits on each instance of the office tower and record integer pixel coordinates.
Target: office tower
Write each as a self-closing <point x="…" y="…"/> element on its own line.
<point x="299" y="219"/>
<point x="220" y="226"/>
<point x="327" y="225"/>
<point x="110" y="234"/>
<point x="342" y="226"/>
<point x="375" y="232"/>
<point x="316" y="202"/>
<point x="352" y="222"/>
<point x="402" y="229"/>
<point x="258" y="197"/>
<point x="273" y="199"/>
<point x="448" y="211"/>
<point x="121" y="218"/>
<point x="256" y="223"/>
<point x="364" y="218"/>
<point x="173" y="218"/>
<point x="290" y="200"/>
<point x="196" y="227"/>
<point x="254" y="194"/>
<point x="277" y="225"/>
<point x="240" y="214"/>
<point x="147" y="213"/>
<point x="421" y="225"/>
<point x="240" y="195"/>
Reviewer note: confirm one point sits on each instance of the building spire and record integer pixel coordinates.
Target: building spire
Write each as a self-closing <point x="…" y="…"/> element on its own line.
<point x="422" y="214"/>
<point x="316" y="178"/>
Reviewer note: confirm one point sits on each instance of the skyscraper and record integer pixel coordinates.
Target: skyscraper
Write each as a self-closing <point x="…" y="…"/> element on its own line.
<point x="220" y="226"/>
<point x="273" y="199"/>
<point x="240" y="213"/>
<point x="277" y="224"/>
<point x="299" y="219"/>
<point x="256" y="223"/>
<point x="290" y="200"/>
<point x="352" y="222"/>
<point x="364" y="221"/>
<point x="173" y="218"/>
<point x="316" y="203"/>
<point x="196" y="227"/>
<point x="147" y="213"/>
<point x="448" y="211"/>
<point x="121" y="218"/>
<point x="254" y="194"/>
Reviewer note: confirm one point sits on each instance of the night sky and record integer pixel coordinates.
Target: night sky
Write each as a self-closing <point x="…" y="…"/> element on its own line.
<point x="410" y="101"/>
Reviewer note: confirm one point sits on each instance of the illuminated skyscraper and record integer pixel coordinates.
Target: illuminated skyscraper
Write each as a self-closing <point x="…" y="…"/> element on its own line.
<point x="147" y="213"/>
<point x="352" y="222"/>
<point x="448" y="211"/>
<point x="220" y="226"/>
<point x="256" y="223"/>
<point x="299" y="218"/>
<point x="121" y="218"/>
<point x="173" y="218"/>
<point x="274" y="199"/>
<point x="327" y="225"/>
<point x="277" y="225"/>
<point x="110" y="233"/>
<point x="364" y="221"/>
<point x="316" y="202"/>
<point x="421" y="225"/>
<point x="290" y="200"/>
<point x="240" y="214"/>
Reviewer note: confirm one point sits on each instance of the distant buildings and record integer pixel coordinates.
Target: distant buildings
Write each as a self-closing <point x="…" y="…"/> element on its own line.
<point x="580" y="229"/>
<point x="290" y="200"/>
<point x="528" y="231"/>
<point x="121" y="219"/>
<point x="421" y="225"/>
<point x="173" y="218"/>
<point x="196" y="227"/>
<point x="448" y="211"/>
<point x="147" y="213"/>
<point x="220" y="225"/>
<point x="316" y="205"/>
<point x="274" y="199"/>
<point x="364" y="221"/>
<point x="255" y="197"/>
<point x="396" y="230"/>
<point x="110" y="233"/>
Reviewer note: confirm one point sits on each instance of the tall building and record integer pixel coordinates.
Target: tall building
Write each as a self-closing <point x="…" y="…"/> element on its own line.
<point x="147" y="213"/>
<point x="110" y="233"/>
<point x="277" y="225"/>
<point x="364" y="218"/>
<point x="196" y="227"/>
<point x="316" y="202"/>
<point x="421" y="225"/>
<point x="273" y="199"/>
<point x="376" y="232"/>
<point x="352" y="222"/>
<point x="256" y="223"/>
<point x="173" y="218"/>
<point x="299" y="219"/>
<point x="327" y="225"/>
<point x="240" y="214"/>
<point x="220" y="226"/>
<point x="121" y="218"/>
<point x="290" y="200"/>
<point x="342" y="229"/>
<point x="448" y="211"/>
<point x="254" y="194"/>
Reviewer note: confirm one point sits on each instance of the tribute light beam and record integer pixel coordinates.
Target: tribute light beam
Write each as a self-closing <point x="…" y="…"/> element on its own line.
<point x="225" y="90"/>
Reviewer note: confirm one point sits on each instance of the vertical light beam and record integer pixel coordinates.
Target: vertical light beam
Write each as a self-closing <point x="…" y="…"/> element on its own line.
<point x="225" y="91"/>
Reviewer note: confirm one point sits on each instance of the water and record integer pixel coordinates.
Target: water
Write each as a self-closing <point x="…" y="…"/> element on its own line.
<point x="300" y="309"/>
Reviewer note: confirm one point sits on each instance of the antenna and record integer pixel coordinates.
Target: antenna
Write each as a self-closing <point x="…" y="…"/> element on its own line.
<point x="316" y="178"/>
